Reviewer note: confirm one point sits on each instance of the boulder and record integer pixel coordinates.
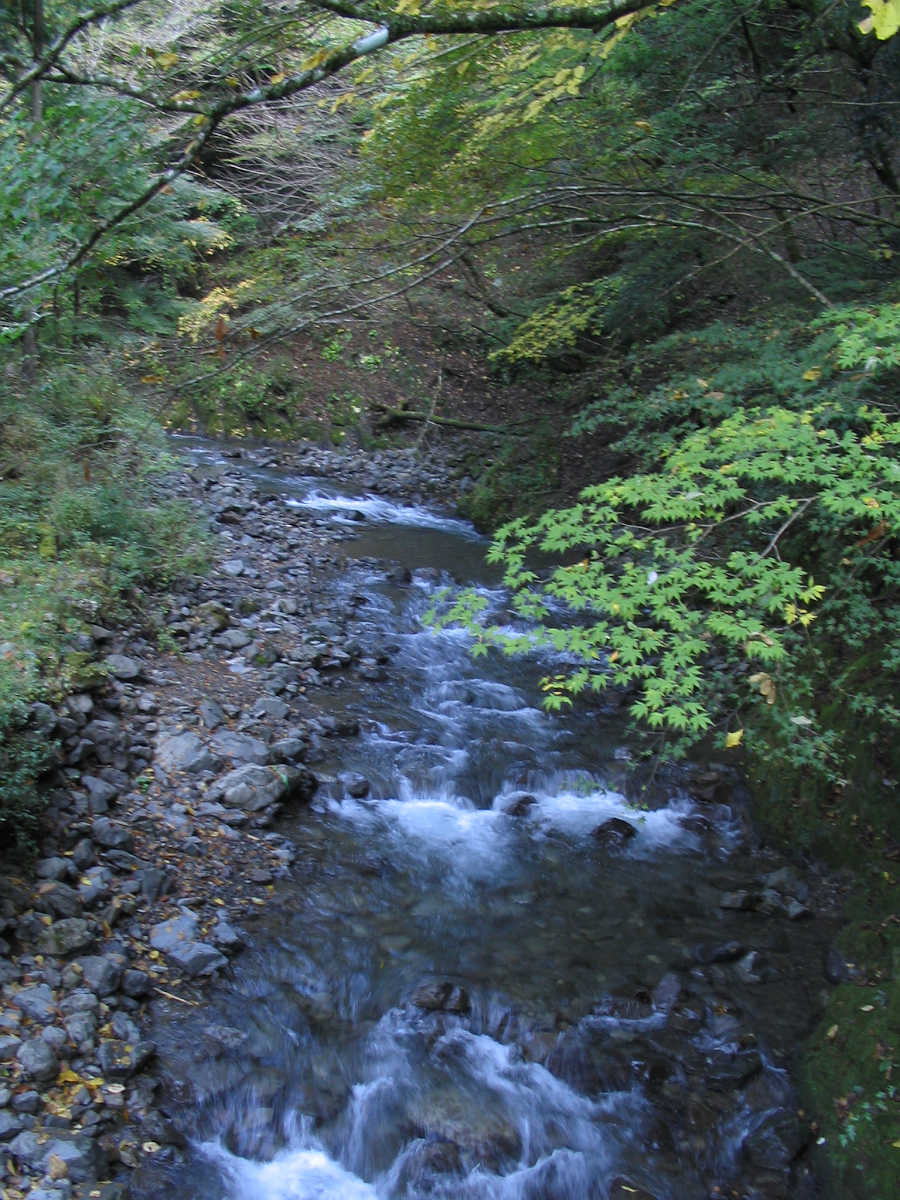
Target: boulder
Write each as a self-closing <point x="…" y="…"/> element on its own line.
<point x="253" y="787"/>
<point x="240" y="747"/>
<point x="184" y="752"/>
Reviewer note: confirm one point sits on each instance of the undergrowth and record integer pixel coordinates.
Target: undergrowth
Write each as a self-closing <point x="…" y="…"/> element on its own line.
<point x="85" y="527"/>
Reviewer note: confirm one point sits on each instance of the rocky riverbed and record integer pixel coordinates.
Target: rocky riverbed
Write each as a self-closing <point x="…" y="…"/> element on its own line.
<point x="158" y="836"/>
<point x="163" y="839"/>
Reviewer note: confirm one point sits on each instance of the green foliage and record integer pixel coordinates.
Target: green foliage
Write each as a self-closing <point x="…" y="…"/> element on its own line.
<point x="84" y="521"/>
<point x="692" y="586"/>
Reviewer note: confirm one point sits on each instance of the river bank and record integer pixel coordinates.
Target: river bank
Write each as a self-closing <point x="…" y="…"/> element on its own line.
<point x="161" y="845"/>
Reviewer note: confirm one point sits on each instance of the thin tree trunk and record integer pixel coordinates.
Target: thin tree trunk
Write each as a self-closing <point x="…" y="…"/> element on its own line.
<point x="38" y="38"/>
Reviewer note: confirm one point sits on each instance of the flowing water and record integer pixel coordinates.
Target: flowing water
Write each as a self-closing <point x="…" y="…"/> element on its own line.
<point x="460" y="989"/>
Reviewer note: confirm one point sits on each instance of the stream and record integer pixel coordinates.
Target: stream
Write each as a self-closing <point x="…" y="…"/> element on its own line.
<point x="487" y="974"/>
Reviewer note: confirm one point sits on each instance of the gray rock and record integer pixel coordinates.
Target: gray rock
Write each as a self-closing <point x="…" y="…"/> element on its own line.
<point x="135" y="983"/>
<point x="253" y="787"/>
<point x="154" y="882"/>
<point x="43" y="718"/>
<point x="225" y="935"/>
<point x="197" y="958"/>
<point x="289" y="749"/>
<point x="100" y="792"/>
<point x="111" y="835"/>
<point x="55" y="868"/>
<point x="10" y="1125"/>
<point x="121" y="1060"/>
<point x="211" y="714"/>
<point x="270" y="708"/>
<point x="233" y="567"/>
<point x="123" y="667"/>
<point x="233" y="639"/>
<point x="177" y="931"/>
<point x="37" y="1060"/>
<point x="66" y="936"/>
<point x="240" y="747"/>
<point x="37" y="1002"/>
<point x="184" y="752"/>
<point x="94" y="885"/>
<point x="79" y="1000"/>
<point x="81" y="1028"/>
<point x="101" y="973"/>
<point x="9" y="1044"/>
<point x="356" y="786"/>
<point x="58" y="898"/>
<point x="27" y="1102"/>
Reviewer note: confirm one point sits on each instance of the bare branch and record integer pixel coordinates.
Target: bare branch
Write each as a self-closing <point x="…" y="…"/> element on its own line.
<point x="51" y="56"/>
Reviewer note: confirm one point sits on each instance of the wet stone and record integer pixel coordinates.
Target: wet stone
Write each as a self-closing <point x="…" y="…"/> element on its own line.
<point x="614" y="833"/>
<point x="442" y="996"/>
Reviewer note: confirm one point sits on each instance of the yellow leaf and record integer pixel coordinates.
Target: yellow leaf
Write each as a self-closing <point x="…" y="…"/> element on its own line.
<point x="734" y="739"/>
<point x="462" y="67"/>
<point x="216" y="900"/>
<point x="871" y="502"/>
<point x="614" y="657"/>
<point x="832" y="1033"/>
<point x="315" y="60"/>
<point x="645" y="125"/>
<point x="885" y="18"/>
<point x="279" y="78"/>
<point x="232" y="81"/>
<point x="68" y="1076"/>
<point x="812" y="374"/>
<point x="199" y="119"/>
<point x="187" y="95"/>
<point x="167" y="60"/>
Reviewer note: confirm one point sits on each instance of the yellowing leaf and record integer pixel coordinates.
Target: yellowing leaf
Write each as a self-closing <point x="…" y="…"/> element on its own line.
<point x="167" y="60"/>
<point x="813" y="373"/>
<point x="645" y="125"/>
<point x="279" y="78"/>
<point x="187" y="95"/>
<point x="315" y="60"/>
<point x="885" y="18"/>
<point x="734" y="739"/>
